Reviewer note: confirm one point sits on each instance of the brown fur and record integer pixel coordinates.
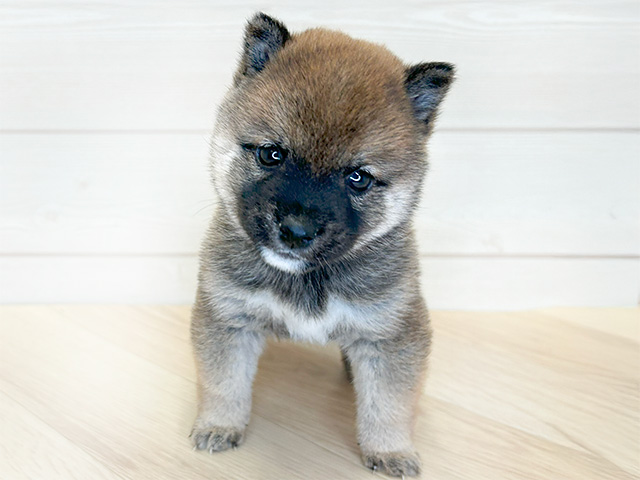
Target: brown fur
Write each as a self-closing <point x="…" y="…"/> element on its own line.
<point x="333" y="97"/>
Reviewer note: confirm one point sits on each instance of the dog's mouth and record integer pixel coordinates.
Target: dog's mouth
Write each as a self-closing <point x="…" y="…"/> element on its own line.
<point x="278" y="253"/>
<point x="284" y="260"/>
<point x="286" y="247"/>
<point x="288" y="254"/>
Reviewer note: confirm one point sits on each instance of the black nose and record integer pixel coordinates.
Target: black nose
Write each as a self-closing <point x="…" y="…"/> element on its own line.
<point x="298" y="232"/>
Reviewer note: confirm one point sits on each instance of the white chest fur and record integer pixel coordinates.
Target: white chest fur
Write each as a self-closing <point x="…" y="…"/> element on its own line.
<point x="313" y="328"/>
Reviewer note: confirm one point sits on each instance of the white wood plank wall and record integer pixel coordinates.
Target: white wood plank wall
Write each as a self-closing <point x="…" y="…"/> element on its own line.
<point x="533" y="198"/>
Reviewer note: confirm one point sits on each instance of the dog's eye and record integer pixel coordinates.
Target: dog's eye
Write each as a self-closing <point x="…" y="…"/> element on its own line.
<point x="270" y="155"/>
<point x="360" y="180"/>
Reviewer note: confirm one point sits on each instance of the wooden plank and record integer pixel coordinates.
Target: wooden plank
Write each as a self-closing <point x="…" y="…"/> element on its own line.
<point x="514" y="395"/>
<point x="131" y="414"/>
<point x="515" y="283"/>
<point x="476" y="357"/>
<point x="108" y="279"/>
<point x="486" y="193"/>
<point x="29" y="448"/>
<point x="557" y="362"/>
<point x="508" y="193"/>
<point x="469" y="283"/>
<point x="104" y="193"/>
<point x="621" y="322"/>
<point x="135" y="66"/>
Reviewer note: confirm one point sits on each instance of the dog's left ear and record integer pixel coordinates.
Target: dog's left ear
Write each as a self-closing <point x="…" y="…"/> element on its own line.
<point x="264" y="36"/>
<point x="426" y="85"/>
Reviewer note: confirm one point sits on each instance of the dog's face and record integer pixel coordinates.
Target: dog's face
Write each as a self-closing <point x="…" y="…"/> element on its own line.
<point x="319" y="146"/>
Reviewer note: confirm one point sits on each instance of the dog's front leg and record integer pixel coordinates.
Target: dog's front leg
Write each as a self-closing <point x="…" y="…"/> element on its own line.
<point x="226" y="358"/>
<point x="387" y="376"/>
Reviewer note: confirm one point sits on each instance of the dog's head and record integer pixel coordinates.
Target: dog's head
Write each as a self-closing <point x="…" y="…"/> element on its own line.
<point x="319" y="145"/>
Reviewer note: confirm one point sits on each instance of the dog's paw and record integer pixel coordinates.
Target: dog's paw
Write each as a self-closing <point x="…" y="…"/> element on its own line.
<point x="216" y="439"/>
<point x="396" y="464"/>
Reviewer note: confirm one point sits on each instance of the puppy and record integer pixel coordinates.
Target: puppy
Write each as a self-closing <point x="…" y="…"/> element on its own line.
<point x="318" y="159"/>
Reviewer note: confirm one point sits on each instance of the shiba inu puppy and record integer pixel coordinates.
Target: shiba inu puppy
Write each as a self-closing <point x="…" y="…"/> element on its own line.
<point x="318" y="159"/>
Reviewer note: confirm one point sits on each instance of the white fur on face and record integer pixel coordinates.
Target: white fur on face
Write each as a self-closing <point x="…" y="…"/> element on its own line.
<point x="286" y="264"/>
<point x="397" y="207"/>
<point x="224" y="152"/>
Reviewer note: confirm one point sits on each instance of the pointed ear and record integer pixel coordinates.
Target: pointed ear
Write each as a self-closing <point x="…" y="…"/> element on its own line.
<point x="426" y="85"/>
<point x="263" y="38"/>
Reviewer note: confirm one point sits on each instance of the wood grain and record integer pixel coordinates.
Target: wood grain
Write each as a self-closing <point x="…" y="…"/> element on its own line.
<point x="108" y="392"/>
<point x="45" y="452"/>
<point x="625" y="325"/>
<point x="137" y="66"/>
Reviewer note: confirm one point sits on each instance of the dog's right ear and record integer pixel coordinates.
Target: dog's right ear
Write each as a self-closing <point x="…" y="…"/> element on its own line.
<point x="263" y="38"/>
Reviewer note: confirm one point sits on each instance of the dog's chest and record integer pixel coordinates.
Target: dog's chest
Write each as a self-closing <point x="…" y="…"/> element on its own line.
<point x="317" y="326"/>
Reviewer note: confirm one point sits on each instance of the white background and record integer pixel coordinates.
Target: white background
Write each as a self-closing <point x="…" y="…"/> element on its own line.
<point x="533" y="197"/>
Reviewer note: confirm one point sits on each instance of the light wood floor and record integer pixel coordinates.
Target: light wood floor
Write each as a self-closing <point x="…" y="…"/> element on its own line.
<point x="93" y="392"/>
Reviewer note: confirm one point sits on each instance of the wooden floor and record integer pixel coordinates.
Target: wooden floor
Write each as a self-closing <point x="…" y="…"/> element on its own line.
<point x="94" y="392"/>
